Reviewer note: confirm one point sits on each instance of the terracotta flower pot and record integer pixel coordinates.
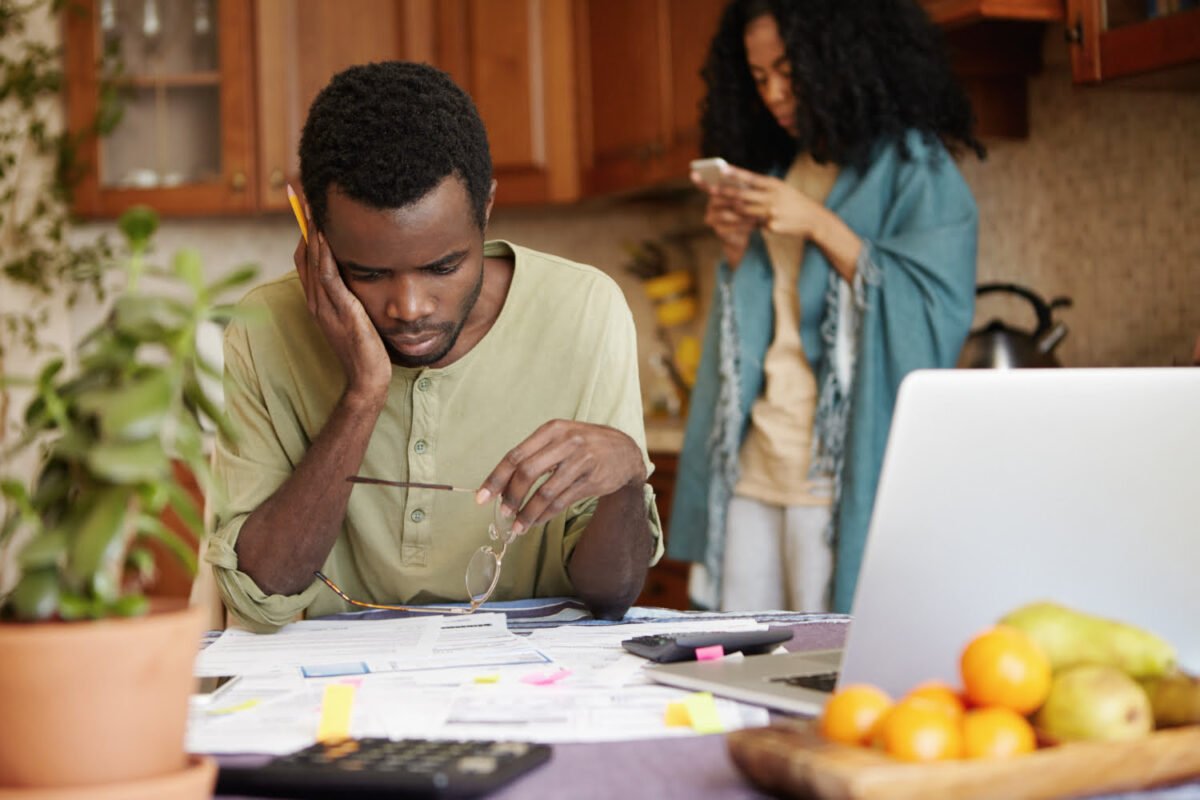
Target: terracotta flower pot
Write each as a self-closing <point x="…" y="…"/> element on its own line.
<point x="196" y="780"/>
<point x="88" y="703"/>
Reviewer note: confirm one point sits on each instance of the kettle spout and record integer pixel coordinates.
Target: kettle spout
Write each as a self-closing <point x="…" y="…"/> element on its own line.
<point x="1052" y="338"/>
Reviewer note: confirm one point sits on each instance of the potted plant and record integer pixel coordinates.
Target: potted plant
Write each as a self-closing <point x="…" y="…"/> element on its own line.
<point x="94" y="678"/>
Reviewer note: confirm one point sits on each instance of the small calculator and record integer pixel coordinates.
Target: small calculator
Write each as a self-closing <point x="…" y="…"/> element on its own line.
<point x="668" y="647"/>
<point x="406" y="768"/>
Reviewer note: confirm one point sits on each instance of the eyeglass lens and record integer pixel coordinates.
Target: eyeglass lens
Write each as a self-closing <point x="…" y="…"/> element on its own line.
<point x="483" y="571"/>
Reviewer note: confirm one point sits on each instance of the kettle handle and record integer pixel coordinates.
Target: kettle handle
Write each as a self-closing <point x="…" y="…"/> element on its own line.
<point x="1040" y="307"/>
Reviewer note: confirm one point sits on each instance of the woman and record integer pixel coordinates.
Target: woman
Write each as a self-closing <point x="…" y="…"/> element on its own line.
<point x="849" y="239"/>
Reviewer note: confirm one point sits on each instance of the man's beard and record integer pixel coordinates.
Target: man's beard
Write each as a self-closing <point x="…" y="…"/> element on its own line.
<point x="452" y="331"/>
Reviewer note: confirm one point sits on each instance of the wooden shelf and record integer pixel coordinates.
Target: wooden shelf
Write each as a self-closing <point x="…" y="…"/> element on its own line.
<point x="956" y="13"/>
<point x="1160" y="43"/>
<point x="179" y="80"/>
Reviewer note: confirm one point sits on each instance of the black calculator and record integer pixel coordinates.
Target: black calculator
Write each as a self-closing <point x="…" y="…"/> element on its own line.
<point x="376" y="768"/>
<point x="667" y="647"/>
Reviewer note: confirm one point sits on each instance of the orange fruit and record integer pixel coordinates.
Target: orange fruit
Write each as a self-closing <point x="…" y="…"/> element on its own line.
<point x="949" y="700"/>
<point x="917" y="729"/>
<point x="851" y="713"/>
<point x="1004" y="667"/>
<point x="997" y="733"/>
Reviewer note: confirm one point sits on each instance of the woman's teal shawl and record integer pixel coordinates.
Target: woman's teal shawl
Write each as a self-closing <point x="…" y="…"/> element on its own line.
<point x="914" y="298"/>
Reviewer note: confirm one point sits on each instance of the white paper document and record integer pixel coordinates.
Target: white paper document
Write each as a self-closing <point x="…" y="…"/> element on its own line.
<point x="443" y="678"/>
<point x="317" y="643"/>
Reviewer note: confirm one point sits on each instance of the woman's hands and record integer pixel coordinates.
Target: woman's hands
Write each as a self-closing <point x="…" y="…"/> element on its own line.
<point x="745" y="200"/>
<point x="342" y="319"/>
<point x="732" y="226"/>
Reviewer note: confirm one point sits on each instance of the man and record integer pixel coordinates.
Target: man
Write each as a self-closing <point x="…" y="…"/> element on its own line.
<point x="407" y="348"/>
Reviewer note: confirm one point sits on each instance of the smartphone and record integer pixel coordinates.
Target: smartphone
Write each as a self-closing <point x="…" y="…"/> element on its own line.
<point x="713" y="171"/>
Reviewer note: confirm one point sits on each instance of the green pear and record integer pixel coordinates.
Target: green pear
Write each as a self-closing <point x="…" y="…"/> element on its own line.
<point x="1175" y="699"/>
<point x="1093" y="702"/>
<point x="1070" y="637"/>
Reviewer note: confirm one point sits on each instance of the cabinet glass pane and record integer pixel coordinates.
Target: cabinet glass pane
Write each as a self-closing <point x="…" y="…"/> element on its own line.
<point x="170" y="130"/>
<point x="161" y="37"/>
<point x="168" y="136"/>
<point x="1119" y="13"/>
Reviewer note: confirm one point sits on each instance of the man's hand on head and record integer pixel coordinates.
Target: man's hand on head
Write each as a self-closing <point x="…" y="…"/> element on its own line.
<point x="342" y="319"/>
<point x="581" y="459"/>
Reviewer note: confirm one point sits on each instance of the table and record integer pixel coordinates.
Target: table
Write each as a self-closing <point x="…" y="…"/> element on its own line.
<point x="685" y="768"/>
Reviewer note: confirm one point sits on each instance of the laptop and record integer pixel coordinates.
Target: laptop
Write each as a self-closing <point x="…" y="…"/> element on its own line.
<point x="999" y="488"/>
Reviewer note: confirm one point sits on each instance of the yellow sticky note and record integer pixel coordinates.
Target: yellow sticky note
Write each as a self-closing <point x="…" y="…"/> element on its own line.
<point x="243" y="706"/>
<point x="487" y="678"/>
<point x="677" y="716"/>
<point x="336" y="706"/>
<point x="703" y="713"/>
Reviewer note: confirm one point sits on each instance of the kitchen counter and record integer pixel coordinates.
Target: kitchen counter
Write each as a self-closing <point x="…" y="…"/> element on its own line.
<point x="664" y="434"/>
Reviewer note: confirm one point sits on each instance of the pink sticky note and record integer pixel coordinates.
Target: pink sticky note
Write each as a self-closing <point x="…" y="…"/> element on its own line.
<point x="545" y="678"/>
<point x="710" y="653"/>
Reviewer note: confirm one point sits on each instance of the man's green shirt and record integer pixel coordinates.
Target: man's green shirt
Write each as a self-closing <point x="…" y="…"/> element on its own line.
<point x="562" y="347"/>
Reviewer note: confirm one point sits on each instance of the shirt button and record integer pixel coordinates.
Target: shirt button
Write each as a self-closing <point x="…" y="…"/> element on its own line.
<point x="417" y="515"/>
<point x="420" y="446"/>
<point x="424" y="384"/>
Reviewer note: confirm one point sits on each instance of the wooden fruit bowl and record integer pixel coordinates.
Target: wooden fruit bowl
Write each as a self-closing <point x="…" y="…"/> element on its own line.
<point x="794" y="760"/>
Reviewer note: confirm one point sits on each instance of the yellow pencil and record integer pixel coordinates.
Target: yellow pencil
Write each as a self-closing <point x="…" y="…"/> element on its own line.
<point x="295" y="201"/>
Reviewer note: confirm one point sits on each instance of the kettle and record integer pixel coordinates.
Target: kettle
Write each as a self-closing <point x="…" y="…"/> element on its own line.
<point x="998" y="346"/>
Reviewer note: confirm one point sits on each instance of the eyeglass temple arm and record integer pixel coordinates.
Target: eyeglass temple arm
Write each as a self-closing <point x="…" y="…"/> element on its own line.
<point x="445" y="487"/>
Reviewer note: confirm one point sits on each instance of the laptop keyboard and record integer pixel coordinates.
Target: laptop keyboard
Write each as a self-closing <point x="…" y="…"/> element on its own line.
<point x="821" y="682"/>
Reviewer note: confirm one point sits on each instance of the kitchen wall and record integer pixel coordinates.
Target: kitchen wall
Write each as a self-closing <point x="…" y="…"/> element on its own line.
<point x="1101" y="203"/>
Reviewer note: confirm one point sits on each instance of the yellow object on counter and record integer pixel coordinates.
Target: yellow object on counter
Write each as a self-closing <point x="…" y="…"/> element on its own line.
<point x="687" y="358"/>
<point x="668" y="285"/>
<point x="675" y="312"/>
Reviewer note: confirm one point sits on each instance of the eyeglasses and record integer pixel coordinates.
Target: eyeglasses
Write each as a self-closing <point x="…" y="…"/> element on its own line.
<point x="483" y="570"/>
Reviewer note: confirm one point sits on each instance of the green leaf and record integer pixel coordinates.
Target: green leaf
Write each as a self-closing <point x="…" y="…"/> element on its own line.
<point x="134" y="411"/>
<point x="190" y="268"/>
<point x="141" y="561"/>
<point x="101" y="537"/>
<point x="239" y="276"/>
<point x="130" y="605"/>
<point x="46" y="550"/>
<point x="185" y="507"/>
<point x="138" y="224"/>
<point x="129" y="462"/>
<point x="155" y="528"/>
<point x="105" y="587"/>
<point x="72" y="606"/>
<point x="146" y="319"/>
<point x="36" y="595"/>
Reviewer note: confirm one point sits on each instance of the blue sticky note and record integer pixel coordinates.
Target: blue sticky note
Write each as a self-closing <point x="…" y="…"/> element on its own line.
<point x="335" y="670"/>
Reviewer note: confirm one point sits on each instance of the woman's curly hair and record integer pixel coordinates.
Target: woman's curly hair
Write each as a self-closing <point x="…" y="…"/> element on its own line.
<point x="863" y="71"/>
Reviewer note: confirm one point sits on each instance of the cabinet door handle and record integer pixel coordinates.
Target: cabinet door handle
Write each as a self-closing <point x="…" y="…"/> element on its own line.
<point x="238" y="181"/>
<point x="276" y="179"/>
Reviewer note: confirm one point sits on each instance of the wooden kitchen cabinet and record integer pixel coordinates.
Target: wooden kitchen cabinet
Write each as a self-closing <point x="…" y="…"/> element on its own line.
<point x="1111" y="39"/>
<point x="299" y="45"/>
<point x="185" y="143"/>
<point x="666" y="583"/>
<point x="641" y="88"/>
<point x="516" y="60"/>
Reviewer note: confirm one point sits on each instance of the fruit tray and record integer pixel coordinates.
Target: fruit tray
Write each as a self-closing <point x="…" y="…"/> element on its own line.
<point x="793" y="760"/>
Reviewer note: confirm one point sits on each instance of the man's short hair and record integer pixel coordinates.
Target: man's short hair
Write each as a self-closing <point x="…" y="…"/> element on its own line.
<point x="388" y="133"/>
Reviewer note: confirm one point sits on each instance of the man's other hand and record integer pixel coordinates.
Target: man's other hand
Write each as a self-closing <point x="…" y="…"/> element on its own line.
<point x="342" y="319"/>
<point x="581" y="459"/>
